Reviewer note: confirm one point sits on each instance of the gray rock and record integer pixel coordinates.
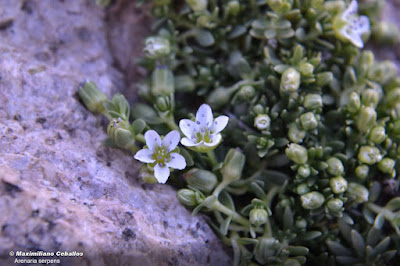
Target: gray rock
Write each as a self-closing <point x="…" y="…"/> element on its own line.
<point x="60" y="189"/>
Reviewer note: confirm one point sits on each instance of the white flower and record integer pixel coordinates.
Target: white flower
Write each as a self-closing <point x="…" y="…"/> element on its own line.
<point x="203" y="134"/>
<point x="349" y="26"/>
<point x="262" y="121"/>
<point x="159" y="154"/>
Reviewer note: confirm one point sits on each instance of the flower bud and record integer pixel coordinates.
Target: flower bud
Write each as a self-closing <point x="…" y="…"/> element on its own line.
<point x="303" y="171"/>
<point x="313" y="101"/>
<point x="233" y="165"/>
<point x="393" y="97"/>
<point x="187" y="197"/>
<point x="366" y="119"/>
<point x="262" y="122"/>
<point x="335" y="166"/>
<point x="359" y="193"/>
<point x="297" y="153"/>
<point x="386" y="165"/>
<point x="362" y="171"/>
<point x="312" y="200"/>
<point x="302" y="189"/>
<point x="233" y="8"/>
<point x="378" y="135"/>
<point x="163" y="103"/>
<point x="290" y="80"/>
<point x="156" y="47"/>
<point x="370" y="97"/>
<point x="338" y="184"/>
<point x="382" y="72"/>
<point x="259" y="109"/>
<point x="306" y="69"/>
<point x="197" y="5"/>
<point x="334" y="205"/>
<point x="308" y="121"/>
<point x="246" y="93"/>
<point x="203" y="180"/>
<point x="324" y="78"/>
<point x="258" y="217"/>
<point x="295" y="134"/>
<point x="354" y="102"/>
<point x="369" y="155"/>
<point x="119" y="132"/>
<point x="301" y="224"/>
<point x="92" y="97"/>
<point x="162" y="81"/>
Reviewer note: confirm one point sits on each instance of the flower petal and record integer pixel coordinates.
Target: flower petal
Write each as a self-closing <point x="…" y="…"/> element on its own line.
<point x="219" y="124"/>
<point x="215" y="140"/>
<point x="171" y="140"/>
<point x="204" y="116"/>
<point x="161" y="173"/>
<point x="351" y="10"/>
<point x="356" y="40"/>
<point x="152" y="138"/>
<point x="188" y="142"/>
<point x="177" y="161"/>
<point x="362" y="25"/>
<point x="144" y="156"/>
<point x="188" y="127"/>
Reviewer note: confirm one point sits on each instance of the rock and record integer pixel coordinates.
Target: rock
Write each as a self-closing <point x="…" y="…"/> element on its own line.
<point x="60" y="188"/>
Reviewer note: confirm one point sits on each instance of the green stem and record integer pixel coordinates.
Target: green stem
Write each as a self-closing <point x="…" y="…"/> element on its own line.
<point x="170" y="121"/>
<point x="235" y="216"/>
<point x="212" y="158"/>
<point x="220" y="187"/>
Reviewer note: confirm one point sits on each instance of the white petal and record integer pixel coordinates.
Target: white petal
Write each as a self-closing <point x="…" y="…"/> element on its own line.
<point x="362" y="25"/>
<point x="153" y="140"/>
<point x="144" y="156"/>
<point x="219" y="124"/>
<point x="188" y="142"/>
<point x="188" y="127"/>
<point x="161" y="173"/>
<point x="356" y="40"/>
<point x="204" y="116"/>
<point x="351" y="10"/>
<point x="177" y="161"/>
<point x="215" y="140"/>
<point x="171" y="140"/>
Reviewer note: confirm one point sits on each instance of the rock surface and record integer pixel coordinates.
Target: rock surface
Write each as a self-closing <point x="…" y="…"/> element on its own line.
<point x="60" y="189"/>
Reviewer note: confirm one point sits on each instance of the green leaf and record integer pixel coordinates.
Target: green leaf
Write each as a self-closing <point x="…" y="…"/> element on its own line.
<point x="393" y="204"/>
<point x="247" y="241"/>
<point x="297" y="250"/>
<point x="338" y="249"/>
<point x="226" y="200"/>
<point x="288" y="220"/>
<point x="358" y="243"/>
<point x="187" y="156"/>
<point x="347" y="260"/>
<point x="388" y="255"/>
<point x="225" y="225"/>
<point x="138" y="125"/>
<point x="204" y="38"/>
<point x="311" y="235"/>
<point x="383" y="245"/>
<point x="373" y="236"/>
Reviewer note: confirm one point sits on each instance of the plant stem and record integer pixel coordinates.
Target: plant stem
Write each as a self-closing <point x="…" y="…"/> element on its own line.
<point x="235" y="216"/>
<point x="220" y="187"/>
<point x="170" y="121"/>
<point x="212" y="158"/>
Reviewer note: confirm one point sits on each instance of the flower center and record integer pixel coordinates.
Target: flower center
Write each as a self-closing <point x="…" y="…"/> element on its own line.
<point x="161" y="155"/>
<point x="203" y="135"/>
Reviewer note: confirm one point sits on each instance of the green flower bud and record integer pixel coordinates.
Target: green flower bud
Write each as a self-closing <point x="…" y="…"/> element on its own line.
<point x="338" y="184"/>
<point x="393" y="97"/>
<point x="259" y="109"/>
<point x="302" y="189"/>
<point x="313" y="101"/>
<point x="290" y="80"/>
<point x="92" y="97"/>
<point x="246" y="92"/>
<point x="295" y="134"/>
<point x="279" y="5"/>
<point x="354" y="103"/>
<point x="358" y="192"/>
<point x="362" y="171"/>
<point x="156" y="47"/>
<point x="334" y="205"/>
<point x="386" y="165"/>
<point x="369" y="155"/>
<point x="119" y="131"/>
<point x="306" y="69"/>
<point x="297" y="153"/>
<point x="187" y="197"/>
<point x="163" y="103"/>
<point x="335" y="166"/>
<point x="233" y="165"/>
<point x="303" y="171"/>
<point x="220" y="96"/>
<point x="367" y="58"/>
<point x="308" y="121"/>
<point x="366" y="119"/>
<point x="197" y="5"/>
<point x="162" y="81"/>
<point x="201" y="179"/>
<point x="233" y="8"/>
<point x="386" y="32"/>
<point x="324" y="78"/>
<point x="370" y="97"/>
<point x="312" y="200"/>
<point x="378" y="135"/>
<point x="262" y="122"/>
<point x="258" y="217"/>
<point x="382" y="72"/>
